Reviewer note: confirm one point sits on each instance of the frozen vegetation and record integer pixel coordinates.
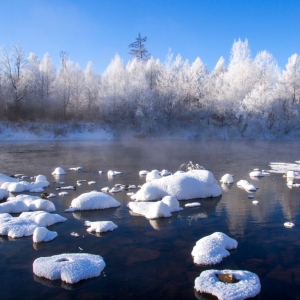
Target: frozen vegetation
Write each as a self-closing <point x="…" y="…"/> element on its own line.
<point x="183" y="186"/>
<point x="174" y="98"/>
<point x="69" y="267"/>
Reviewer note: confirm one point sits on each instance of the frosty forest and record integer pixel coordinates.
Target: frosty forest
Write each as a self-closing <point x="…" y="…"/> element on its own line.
<point x="146" y="96"/>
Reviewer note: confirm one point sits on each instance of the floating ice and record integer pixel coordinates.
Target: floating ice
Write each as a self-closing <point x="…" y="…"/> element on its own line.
<point x="70" y="187"/>
<point x="289" y="224"/>
<point x="92" y="182"/>
<point x="193" y="204"/>
<point x="105" y="189"/>
<point x="76" y="168"/>
<point x="26" y="223"/>
<point x="248" y="284"/>
<point x="115" y="190"/>
<point x="3" y="194"/>
<point x="23" y="203"/>
<point x="51" y="195"/>
<point x="100" y="226"/>
<point x="246" y="185"/>
<point x="213" y="248"/>
<point x="280" y="167"/>
<point x="5" y="178"/>
<point x="59" y="171"/>
<point x="227" y="179"/>
<point x="70" y="268"/>
<point x="93" y="200"/>
<point x="255" y="202"/>
<point x="154" y="210"/>
<point x="63" y="194"/>
<point x="74" y="234"/>
<point x="154" y="174"/>
<point x="42" y="234"/>
<point x="183" y="186"/>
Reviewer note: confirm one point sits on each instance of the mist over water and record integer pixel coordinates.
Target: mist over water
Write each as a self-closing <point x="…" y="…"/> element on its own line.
<point x="152" y="259"/>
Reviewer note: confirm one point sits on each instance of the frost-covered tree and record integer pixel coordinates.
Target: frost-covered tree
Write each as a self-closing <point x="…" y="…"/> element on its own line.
<point x="291" y="78"/>
<point x="47" y="76"/>
<point x="138" y="49"/>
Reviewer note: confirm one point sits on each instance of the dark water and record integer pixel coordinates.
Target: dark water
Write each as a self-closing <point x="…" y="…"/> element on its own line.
<point x="152" y="259"/>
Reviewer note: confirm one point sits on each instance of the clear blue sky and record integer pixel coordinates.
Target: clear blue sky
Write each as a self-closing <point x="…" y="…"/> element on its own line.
<point x="98" y="29"/>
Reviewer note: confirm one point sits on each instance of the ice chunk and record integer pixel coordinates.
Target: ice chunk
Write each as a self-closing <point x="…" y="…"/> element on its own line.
<point x="183" y="186"/>
<point x="213" y="248"/>
<point x="93" y="200"/>
<point x="113" y="173"/>
<point x="256" y="173"/>
<point x="100" y="226"/>
<point x="193" y="204"/>
<point x="246" y="185"/>
<point x="70" y="268"/>
<point x="248" y="284"/>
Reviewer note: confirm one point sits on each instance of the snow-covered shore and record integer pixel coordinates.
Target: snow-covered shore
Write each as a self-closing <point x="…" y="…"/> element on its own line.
<point x="25" y="131"/>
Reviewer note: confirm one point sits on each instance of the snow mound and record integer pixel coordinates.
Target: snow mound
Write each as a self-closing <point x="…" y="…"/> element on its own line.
<point x="70" y="268"/>
<point x="5" y="178"/>
<point x="183" y="186"/>
<point x="154" y="174"/>
<point x="227" y="179"/>
<point x="246" y="185"/>
<point x="24" y="203"/>
<point x="42" y="234"/>
<point x="248" y="284"/>
<point x="3" y="193"/>
<point x="59" y="171"/>
<point x="26" y="223"/>
<point x="154" y="210"/>
<point x="212" y="249"/>
<point x="93" y="200"/>
<point x="100" y="226"/>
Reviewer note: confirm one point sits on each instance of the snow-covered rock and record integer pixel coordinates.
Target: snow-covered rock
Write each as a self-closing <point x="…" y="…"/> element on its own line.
<point x="256" y="173"/>
<point x="93" y="200"/>
<point x="24" y="203"/>
<point x="165" y="172"/>
<point x="111" y="173"/>
<point x="183" y="186"/>
<point x="227" y="179"/>
<point x="70" y="268"/>
<point x="5" y="178"/>
<point x="42" y="234"/>
<point x="143" y="172"/>
<point x="154" y="210"/>
<point x="26" y="223"/>
<point x="58" y="171"/>
<point x="248" y="284"/>
<point x="213" y="248"/>
<point x="100" y="226"/>
<point x="154" y="174"/>
<point x="246" y="185"/>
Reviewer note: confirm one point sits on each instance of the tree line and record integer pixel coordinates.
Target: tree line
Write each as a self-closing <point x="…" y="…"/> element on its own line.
<point x="146" y="95"/>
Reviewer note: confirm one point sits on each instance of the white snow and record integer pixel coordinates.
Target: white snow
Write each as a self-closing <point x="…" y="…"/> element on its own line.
<point x="183" y="186"/>
<point x="154" y="174"/>
<point x="111" y="173"/>
<point x="42" y="234"/>
<point x="255" y="202"/>
<point x="26" y="223"/>
<point x="93" y="200"/>
<point x="58" y="171"/>
<point x="227" y="179"/>
<point x="70" y="187"/>
<point x="5" y="178"/>
<point x="115" y="190"/>
<point x="165" y="173"/>
<point x="246" y="185"/>
<point x="3" y="193"/>
<point x="70" y="268"/>
<point x="211" y="249"/>
<point x="154" y="210"/>
<point x="100" y="226"/>
<point x="63" y="194"/>
<point x="105" y="189"/>
<point x="248" y="284"/>
<point x="281" y="167"/>
<point x="76" y="168"/>
<point x="193" y="204"/>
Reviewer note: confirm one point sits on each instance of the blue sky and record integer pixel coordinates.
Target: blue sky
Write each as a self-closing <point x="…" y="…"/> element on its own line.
<point x="95" y="30"/>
